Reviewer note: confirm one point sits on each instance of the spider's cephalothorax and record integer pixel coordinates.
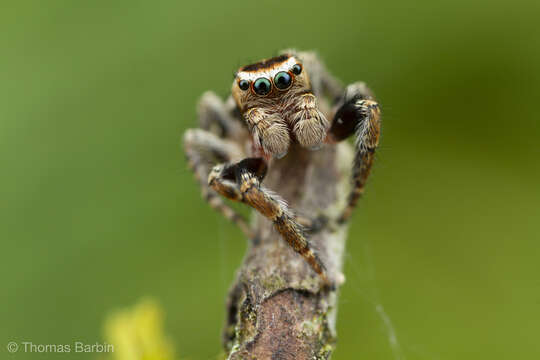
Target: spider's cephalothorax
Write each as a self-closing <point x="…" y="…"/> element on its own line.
<point x="275" y="98"/>
<point x="280" y="99"/>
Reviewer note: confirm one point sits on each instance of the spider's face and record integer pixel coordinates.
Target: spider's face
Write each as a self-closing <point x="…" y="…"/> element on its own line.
<point x="275" y="98"/>
<point x="269" y="83"/>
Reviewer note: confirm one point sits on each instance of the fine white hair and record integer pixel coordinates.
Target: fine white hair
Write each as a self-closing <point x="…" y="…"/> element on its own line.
<point x="268" y="73"/>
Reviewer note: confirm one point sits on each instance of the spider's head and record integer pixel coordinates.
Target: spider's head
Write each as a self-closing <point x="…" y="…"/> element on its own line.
<point x="274" y="96"/>
<point x="269" y="82"/>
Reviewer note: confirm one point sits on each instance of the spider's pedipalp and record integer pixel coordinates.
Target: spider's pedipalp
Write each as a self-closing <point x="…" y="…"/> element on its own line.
<point x="309" y="123"/>
<point x="269" y="131"/>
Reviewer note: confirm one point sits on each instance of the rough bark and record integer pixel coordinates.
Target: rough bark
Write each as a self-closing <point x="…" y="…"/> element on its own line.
<point x="277" y="308"/>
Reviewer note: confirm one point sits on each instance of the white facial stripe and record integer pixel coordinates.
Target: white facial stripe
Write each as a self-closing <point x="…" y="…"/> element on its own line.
<point x="270" y="73"/>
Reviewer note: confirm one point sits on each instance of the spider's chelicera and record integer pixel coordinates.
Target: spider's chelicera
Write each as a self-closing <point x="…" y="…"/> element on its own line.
<point x="274" y="104"/>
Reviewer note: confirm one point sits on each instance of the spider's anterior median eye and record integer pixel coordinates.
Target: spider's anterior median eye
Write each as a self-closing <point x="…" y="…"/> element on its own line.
<point x="243" y="84"/>
<point x="297" y="69"/>
<point x="262" y="86"/>
<point x="282" y="80"/>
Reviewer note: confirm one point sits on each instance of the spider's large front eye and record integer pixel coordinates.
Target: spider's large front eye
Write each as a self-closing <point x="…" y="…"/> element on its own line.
<point x="262" y="86"/>
<point x="282" y="80"/>
<point x="243" y="84"/>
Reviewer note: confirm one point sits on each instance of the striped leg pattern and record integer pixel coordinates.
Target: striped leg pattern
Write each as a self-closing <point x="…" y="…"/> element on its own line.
<point x="242" y="182"/>
<point x="359" y="114"/>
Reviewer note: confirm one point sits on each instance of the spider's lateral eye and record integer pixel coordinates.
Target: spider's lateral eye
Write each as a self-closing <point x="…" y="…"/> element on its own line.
<point x="243" y="85"/>
<point x="297" y="69"/>
<point x="283" y="80"/>
<point x="262" y="86"/>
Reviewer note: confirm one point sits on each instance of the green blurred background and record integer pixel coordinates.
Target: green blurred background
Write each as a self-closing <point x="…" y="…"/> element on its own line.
<point x="98" y="207"/>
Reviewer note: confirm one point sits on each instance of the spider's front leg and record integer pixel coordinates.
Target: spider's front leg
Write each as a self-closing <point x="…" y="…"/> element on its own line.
<point x="359" y="114"/>
<point x="242" y="182"/>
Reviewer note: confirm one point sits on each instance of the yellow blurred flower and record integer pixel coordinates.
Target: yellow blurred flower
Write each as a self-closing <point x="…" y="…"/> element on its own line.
<point x="137" y="333"/>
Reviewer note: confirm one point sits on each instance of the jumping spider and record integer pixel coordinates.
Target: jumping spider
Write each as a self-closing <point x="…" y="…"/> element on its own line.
<point x="274" y="103"/>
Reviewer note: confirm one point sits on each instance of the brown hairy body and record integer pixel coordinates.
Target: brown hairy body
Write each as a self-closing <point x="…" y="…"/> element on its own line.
<point x="283" y="102"/>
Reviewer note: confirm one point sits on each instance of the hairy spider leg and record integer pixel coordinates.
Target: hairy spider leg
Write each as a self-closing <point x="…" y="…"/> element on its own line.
<point x="359" y="114"/>
<point x="203" y="150"/>
<point x="241" y="182"/>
